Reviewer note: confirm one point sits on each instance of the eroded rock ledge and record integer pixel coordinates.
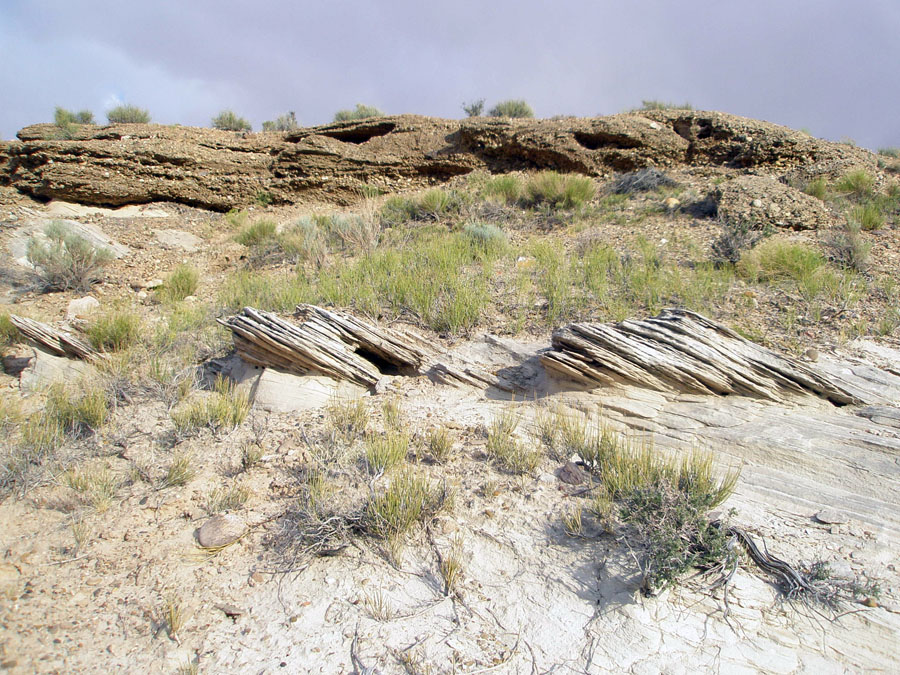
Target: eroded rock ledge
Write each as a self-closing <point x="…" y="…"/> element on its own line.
<point x="134" y="163"/>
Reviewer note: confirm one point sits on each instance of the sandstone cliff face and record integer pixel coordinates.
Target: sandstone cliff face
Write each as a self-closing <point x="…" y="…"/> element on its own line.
<point x="132" y="163"/>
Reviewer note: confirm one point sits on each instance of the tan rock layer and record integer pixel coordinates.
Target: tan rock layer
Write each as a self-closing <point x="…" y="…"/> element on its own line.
<point x="135" y="163"/>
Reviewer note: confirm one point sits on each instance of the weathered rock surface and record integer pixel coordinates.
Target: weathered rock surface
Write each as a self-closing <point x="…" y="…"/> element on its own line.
<point x="758" y="200"/>
<point x="133" y="164"/>
<point x="221" y="530"/>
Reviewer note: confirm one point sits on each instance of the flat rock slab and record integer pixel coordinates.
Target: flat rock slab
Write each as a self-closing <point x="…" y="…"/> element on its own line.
<point x="276" y="391"/>
<point x="831" y="517"/>
<point x="45" y="369"/>
<point x="60" y="209"/>
<point x="18" y="244"/>
<point x="179" y="239"/>
<point x="221" y="530"/>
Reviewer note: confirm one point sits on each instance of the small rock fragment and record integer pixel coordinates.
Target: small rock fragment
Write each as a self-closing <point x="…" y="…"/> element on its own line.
<point x="812" y="354"/>
<point x="153" y="283"/>
<point x="830" y="517"/>
<point x="230" y="611"/>
<point x="572" y="473"/>
<point x="81" y="307"/>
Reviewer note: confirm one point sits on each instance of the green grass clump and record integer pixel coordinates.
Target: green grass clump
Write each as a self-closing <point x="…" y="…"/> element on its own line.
<point x="180" y="472"/>
<point x="226" y="499"/>
<point x="9" y="334"/>
<point x="128" y="114"/>
<point x="776" y="259"/>
<point x="347" y="418"/>
<point x="257" y="233"/>
<point x="97" y="486"/>
<point x="115" y="331"/>
<point x="276" y="292"/>
<point x="867" y="216"/>
<point x="66" y="260"/>
<point x="516" y="108"/>
<point x="847" y="248"/>
<point x="224" y="408"/>
<point x="361" y="112"/>
<point x="77" y="411"/>
<point x="431" y="205"/>
<point x="409" y="499"/>
<point x="440" y="445"/>
<point x="817" y="188"/>
<point x="509" y="452"/>
<point x="227" y="120"/>
<point x="63" y="117"/>
<point x="857" y="185"/>
<point x="181" y="282"/>
<point x="505" y="189"/>
<point x="386" y="451"/>
<point x="893" y="153"/>
<point x="565" y="191"/>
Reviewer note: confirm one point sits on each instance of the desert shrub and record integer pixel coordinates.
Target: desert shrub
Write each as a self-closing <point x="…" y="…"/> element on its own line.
<point x="304" y="240"/>
<point x="736" y="237"/>
<point x="258" y="232"/>
<point x="504" y="448"/>
<point x="432" y="204"/>
<point x="227" y="120"/>
<point x="847" y="248"/>
<point x="115" y="331"/>
<point x="474" y="109"/>
<point x="511" y="108"/>
<point x="63" y="117"/>
<point x="361" y="112"/>
<point x="867" y="216"/>
<point x="893" y="153"/>
<point x="857" y="185"/>
<point x="66" y="260"/>
<point x="8" y="332"/>
<point x="558" y="190"/>
<point x="287" y="122"/>
<point x="407" y="500"/>
<point x="386" y="451"/>
<point x="653" y="104"/>
<point x="128" y="114"/>
<point x="180" y="283"/>
<point x="489" y="240"/>
<point x="354" y="232"/>
<point x="642" y="180"/>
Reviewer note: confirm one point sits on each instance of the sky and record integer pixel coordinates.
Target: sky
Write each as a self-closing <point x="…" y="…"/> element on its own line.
<point x="831" y="67"/>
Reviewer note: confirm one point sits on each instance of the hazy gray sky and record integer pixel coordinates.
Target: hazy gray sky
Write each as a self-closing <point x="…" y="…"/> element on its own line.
<point x="830" y="66"/>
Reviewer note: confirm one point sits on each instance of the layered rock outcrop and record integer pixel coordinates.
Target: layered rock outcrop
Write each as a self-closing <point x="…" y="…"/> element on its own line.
<point x="134" y="163"/>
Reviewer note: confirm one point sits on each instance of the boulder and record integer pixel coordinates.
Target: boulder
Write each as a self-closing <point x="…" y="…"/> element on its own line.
<point x="184" y="241"/>
<point x="82" y="307"/>
<point x="221" y="530"/>
<point x="763" y="201"/>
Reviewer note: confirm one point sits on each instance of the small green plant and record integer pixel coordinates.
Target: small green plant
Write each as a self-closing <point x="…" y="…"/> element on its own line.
<point x="226" y="499"/>
<point x="474" y="109"/>
<point x="847" y="247"/>
<point x="407" y="500"/>
<point x="893" y="153"/>
<point x="8" y="332"/>
<point x="347" y="418"/>
<point x="264" y="198"/>
<point x="236" y="219"/>
<point x="66" y="260"/>
<point x="77" y="411"/>
<point x="867" y="216"/>
<point x="566" y="191"/>
<point x="817" y="188"/>
<point x="227" y="120"/>
<point x="776" y="259"/>
<point x="361" y="112"/>
<point x="857" y="185"/>
<point x="251" y="455"/>
<point x="506" y="189"/>
<point x="287" y="122"/>
<point x="378" y="606"/>
<point x="180" y="472"/>
<point x="508" y="451"/>
<point x="81" y="533"/>
<point x="115" y="331"/>
<point x="97" y="486"/>
<point x="257" y="233"/>
<point x="654" y="104"/>
<point x="392" y="413"/>
<point x="181" y="282"/>
<point x="512" y="108"/>
<point x="451" y="566"/>
<point x="224" y="408"/>
<point x="386" y="451"/>
<point x="440" y="445"/>
<point x="572" y="521"/>
<point x="128" y="114"/>
<point x="174" y="615"/>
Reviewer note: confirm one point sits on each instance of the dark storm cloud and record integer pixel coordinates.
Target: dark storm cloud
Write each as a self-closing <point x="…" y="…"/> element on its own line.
<point x="828" y="66"/>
